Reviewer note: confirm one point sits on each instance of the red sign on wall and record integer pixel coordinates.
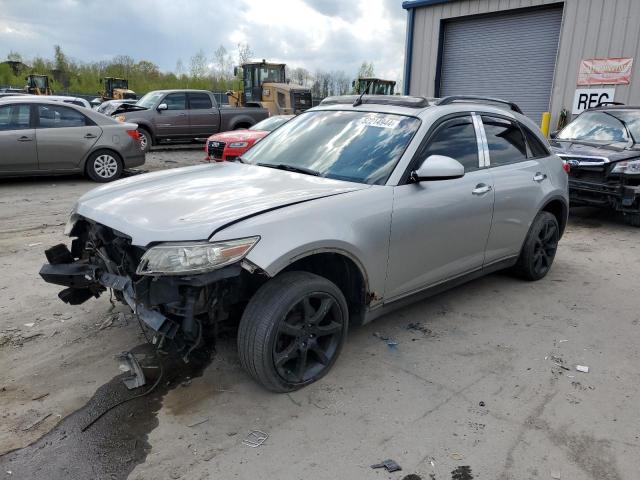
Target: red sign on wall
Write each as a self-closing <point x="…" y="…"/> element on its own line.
<point x="605" y="71"/>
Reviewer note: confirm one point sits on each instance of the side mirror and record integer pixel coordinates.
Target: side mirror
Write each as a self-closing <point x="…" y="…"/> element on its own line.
<point x="554" y="134"/>
<point x="162" y="106"/>
<point x="236" y="71"/>
<point x="438" y="167"/>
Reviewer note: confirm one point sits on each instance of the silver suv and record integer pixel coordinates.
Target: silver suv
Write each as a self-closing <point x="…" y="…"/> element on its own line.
<point x="343" y="213"/>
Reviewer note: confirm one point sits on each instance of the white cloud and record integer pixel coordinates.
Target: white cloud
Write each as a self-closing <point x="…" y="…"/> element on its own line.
<point x="314" y="34"/>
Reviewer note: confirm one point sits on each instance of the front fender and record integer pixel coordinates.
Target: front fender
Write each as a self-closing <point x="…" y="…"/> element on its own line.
<point x="355" y="224"/>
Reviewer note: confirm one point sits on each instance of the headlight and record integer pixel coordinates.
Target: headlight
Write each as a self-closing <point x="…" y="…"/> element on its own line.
<point x="187" y="258"/>
<point x="238" y="144"/>
<point x="630" y="167"/>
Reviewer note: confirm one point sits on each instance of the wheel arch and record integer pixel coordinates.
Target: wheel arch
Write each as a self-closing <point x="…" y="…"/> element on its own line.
<point x="340" y="267"/>
<point x="558" y="207"/>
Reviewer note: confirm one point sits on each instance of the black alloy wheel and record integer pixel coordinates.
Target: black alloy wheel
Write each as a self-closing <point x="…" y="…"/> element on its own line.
<point x="292" y="330"/>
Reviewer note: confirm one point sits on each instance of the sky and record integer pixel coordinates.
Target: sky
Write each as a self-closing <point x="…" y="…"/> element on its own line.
<point x="314" y="34"/>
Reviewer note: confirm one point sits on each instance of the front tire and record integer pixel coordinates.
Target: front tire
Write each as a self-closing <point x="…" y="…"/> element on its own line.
<point x="292" y="331"/>
<point x="104" y="166"/>
<point x="146" y="141"/>
<point x="539" y="247"/>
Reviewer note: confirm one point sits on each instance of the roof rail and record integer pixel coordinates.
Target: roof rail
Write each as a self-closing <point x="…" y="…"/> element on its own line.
<point x="602" y="104"/>
<point x="477" y="99"/>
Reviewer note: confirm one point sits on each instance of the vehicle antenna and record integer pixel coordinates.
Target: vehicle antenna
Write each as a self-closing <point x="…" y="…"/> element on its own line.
<point x="359" y="99"/>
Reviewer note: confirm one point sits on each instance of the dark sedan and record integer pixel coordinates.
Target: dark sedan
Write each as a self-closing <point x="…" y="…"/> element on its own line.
<point x="602" y="150"/>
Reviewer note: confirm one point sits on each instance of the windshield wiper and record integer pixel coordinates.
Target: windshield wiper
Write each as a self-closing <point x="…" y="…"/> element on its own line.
<point x="291" y="168"/>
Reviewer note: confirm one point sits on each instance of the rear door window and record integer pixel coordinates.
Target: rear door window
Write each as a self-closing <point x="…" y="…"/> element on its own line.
<point x="536" y="147"/>
<point x="58" y="116"/>
<point x="15" y="117"/>
<point x="199" y="101"/>
<point x="505" y="140"/>
<point x="455" y="138"/>
<point x="176" y="101"/>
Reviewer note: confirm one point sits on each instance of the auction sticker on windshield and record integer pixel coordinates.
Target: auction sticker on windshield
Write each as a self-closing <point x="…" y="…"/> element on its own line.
<point x="381" y="121"/>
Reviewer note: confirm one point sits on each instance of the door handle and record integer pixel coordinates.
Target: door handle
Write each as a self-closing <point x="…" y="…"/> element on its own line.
<point x="539" y="177"/>
<point x="24" y="138"/>
<point x="90" y="135"/>
<point x="481" y="189"/>
<point x="183" y="114"/>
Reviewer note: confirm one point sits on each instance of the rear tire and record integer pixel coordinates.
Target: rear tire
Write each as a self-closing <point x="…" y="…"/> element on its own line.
<point x="146" y="141"/>
<point x="539" y="249"/>
<point x="104" y="166"/>
<point x="292" y="331"/>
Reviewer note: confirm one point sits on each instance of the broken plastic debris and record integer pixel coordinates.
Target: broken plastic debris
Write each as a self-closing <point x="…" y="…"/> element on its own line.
<point x="582" y="368"/>
<point x="456" y="456"/>
<point x="255" y="438"/>
<point x="29" y="325"/>
<point x="389" y="465"/>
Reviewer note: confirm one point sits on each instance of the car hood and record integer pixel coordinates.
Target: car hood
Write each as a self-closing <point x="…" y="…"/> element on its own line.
<point x="238" y="136"/>
<point x="575" y="149"/>
<point x="192" y="203"/>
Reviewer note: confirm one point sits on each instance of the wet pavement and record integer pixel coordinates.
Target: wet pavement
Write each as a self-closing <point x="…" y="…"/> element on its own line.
<point x="116" y="441"/>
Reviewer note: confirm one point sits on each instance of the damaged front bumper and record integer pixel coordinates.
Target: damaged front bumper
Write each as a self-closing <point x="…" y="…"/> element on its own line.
<point x="614" y="193"/>
<point x="176" y="308"/>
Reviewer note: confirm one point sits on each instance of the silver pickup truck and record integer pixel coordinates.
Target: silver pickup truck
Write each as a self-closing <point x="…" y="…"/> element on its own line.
<point x="183" y="115"/>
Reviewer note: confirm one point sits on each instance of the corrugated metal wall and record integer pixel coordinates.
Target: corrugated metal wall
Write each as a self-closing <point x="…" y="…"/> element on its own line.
<point x="511" y="55"/>
<point x="590" y="29"/>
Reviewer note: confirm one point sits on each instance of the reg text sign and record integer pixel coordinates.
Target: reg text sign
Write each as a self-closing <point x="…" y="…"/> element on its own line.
<point x="605" y="71"/>
<point x="591" y="97"/>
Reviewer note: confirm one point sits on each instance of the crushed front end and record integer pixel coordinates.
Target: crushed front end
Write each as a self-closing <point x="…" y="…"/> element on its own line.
<point x="601" y="183"/>
<point x="183" y="309"/>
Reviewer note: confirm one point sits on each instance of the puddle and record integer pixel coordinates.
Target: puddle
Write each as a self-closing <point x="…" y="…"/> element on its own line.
<point x="114" y="444"/>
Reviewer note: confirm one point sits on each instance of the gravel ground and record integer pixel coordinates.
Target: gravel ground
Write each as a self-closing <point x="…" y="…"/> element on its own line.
<point x="481" y="384"/>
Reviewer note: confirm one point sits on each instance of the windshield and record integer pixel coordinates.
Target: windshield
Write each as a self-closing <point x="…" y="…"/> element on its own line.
<point x="358" y="147"/>
<point x="270" y="124"/>
<point x="150" y="99"/>
<point x="597" y="127"/>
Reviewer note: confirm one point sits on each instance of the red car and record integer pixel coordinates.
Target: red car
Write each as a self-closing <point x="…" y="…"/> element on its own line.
<point x="230" y="145"/>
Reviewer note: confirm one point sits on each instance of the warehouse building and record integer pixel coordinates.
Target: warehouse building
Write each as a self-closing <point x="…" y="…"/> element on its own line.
<point x="545" y="55"/>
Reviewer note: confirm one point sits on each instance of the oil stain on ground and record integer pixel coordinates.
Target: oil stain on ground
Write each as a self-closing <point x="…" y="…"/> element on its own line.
<point x="114" y="444"/>
<point x="462" y="473"/>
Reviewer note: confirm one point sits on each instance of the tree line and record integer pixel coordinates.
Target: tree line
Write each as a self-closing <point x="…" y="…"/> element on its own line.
<point x="199" y="71"/>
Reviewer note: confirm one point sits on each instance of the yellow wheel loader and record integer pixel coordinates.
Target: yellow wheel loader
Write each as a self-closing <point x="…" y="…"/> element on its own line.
<point x="373" y="86"/>
<point x="38" y="85"/>
<point x="116" y="89"/>
<point x="264" y="84"/>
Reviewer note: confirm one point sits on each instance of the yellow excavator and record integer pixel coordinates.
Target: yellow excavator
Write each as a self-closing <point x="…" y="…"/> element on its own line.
<point x="373" y="86"/>
<point x="264" y="85"/>
<point x="116" y="89"/>
<point x="38" y="85"/>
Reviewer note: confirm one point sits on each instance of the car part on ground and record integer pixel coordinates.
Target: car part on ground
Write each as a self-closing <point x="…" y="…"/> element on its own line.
<point x="169" y="116"/>
<point x="295" y="243"/>
<point x="601" y="149"/>
<point x="228" y="146"/>
<point x="39" y="136"/>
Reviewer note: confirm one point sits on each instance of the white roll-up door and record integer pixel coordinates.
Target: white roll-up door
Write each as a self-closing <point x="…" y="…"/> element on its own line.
<point x="506" y="55"/>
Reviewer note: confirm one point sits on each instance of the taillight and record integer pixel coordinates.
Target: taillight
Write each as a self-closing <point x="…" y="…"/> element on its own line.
<point x="134" y="134"/>
<point x="566" y="167"/>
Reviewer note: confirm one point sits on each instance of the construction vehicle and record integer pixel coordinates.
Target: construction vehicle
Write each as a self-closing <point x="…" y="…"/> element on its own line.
<point x="264" y="85"/>
<point x="116" y="89"/>
<point x="373" y="86"/>
<point x="38" y="85"/>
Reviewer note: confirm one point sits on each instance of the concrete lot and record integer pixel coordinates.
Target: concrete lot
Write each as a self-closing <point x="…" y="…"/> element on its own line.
<point x="476" y="379"/>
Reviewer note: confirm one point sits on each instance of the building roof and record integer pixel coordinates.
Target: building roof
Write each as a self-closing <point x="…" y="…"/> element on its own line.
<point x="411" y="4"/>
